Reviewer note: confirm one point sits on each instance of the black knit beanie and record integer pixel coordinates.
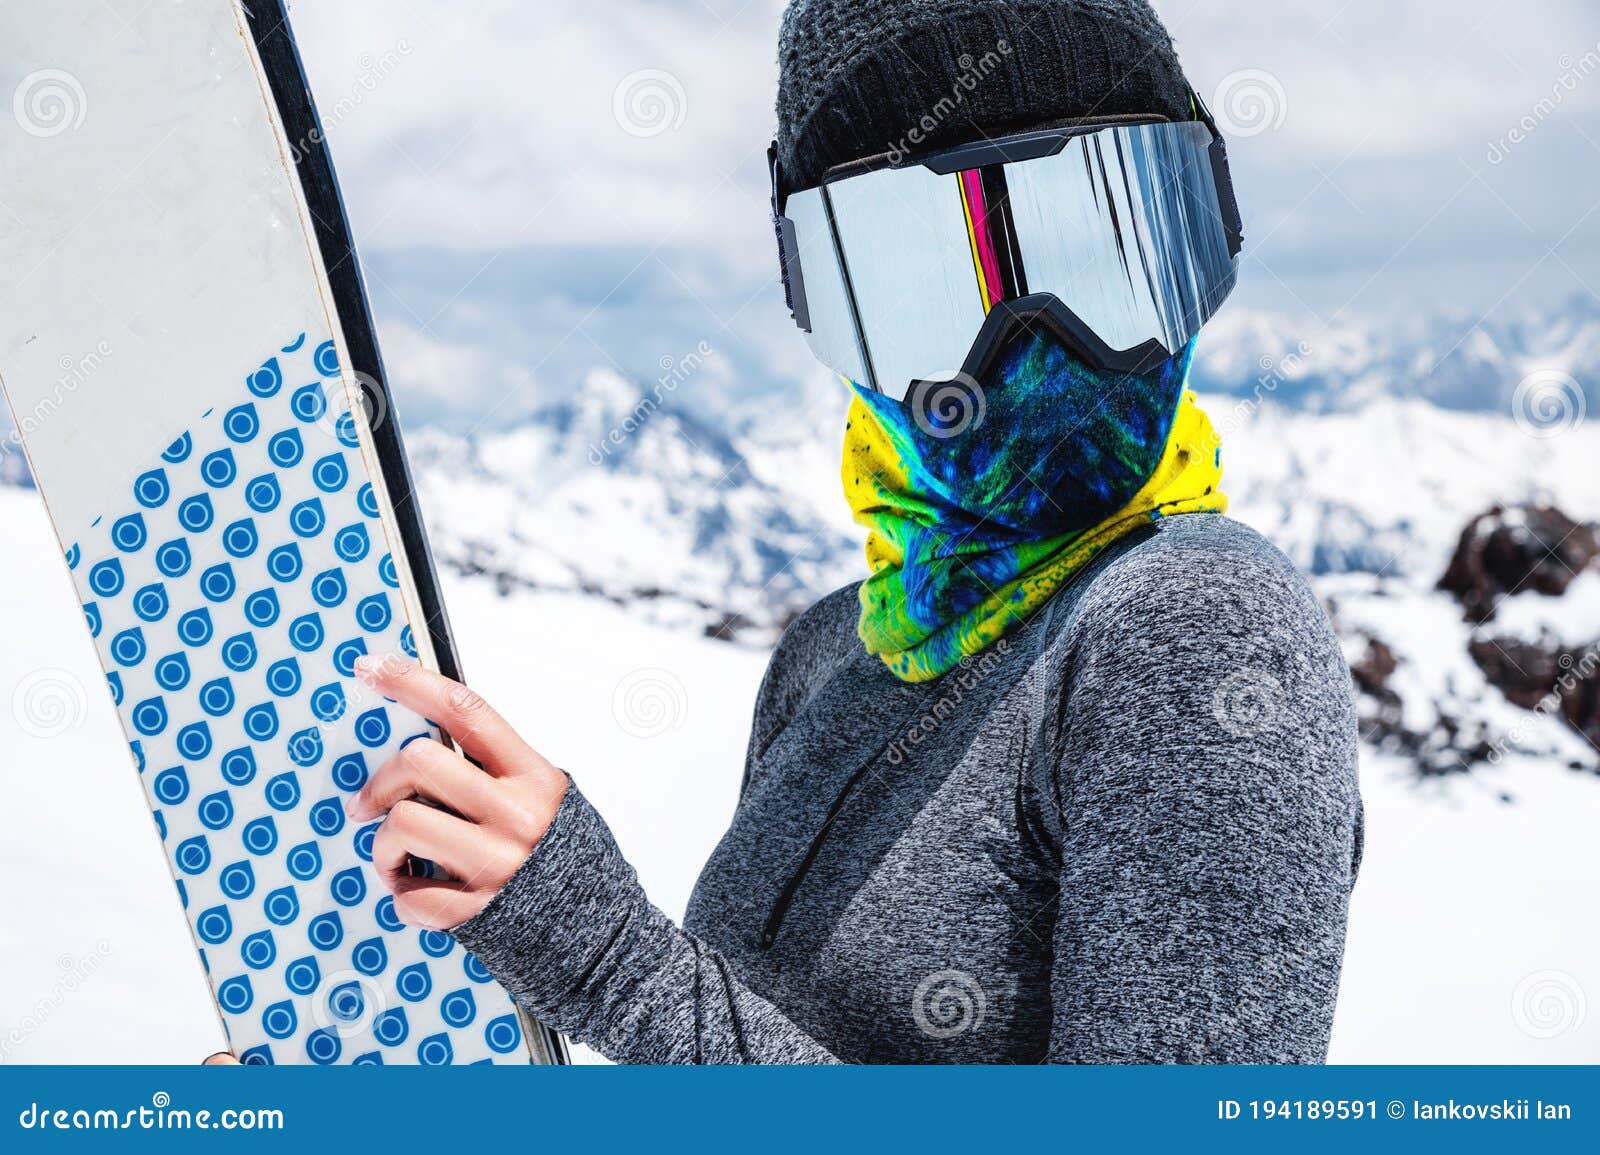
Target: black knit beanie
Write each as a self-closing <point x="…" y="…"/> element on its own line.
<point x="860" y="78"/>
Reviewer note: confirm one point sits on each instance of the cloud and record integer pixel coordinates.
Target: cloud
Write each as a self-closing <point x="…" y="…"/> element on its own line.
<point x="559" y="185"/>
<point x="1380" y="79"/>
<point x="1383" y="173"/>
<point x="500" y="125"/>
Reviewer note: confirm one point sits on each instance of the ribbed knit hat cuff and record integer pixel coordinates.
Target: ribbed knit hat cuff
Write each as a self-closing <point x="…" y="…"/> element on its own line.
<point x="996" y="70"/>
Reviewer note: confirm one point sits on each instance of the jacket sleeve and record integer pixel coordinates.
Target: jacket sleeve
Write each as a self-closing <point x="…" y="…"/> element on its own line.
<point x="576" y="942"/>
<point x="1208" y="819"/>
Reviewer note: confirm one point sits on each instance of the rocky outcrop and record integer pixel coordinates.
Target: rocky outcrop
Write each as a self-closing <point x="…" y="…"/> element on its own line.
<point x="1541" y="550"/>
<point x="1373" y="668"/>
<point x="1507" y="550"/>
<point x="1525" y="672"/>
<point x="1444" y="742"/>
<point x="1422" y="702"/>
<point x="1580" y="701"/>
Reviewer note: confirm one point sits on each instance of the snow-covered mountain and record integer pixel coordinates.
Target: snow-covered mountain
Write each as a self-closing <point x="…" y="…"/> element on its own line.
<point x="623" y="494"/>
<point x="1362" y="455"/>
<point x="1358" y="447"/>
<point x="617" y="494"/>
<point x="1484" y="691"/>
<point x="14" y="464"/>
<point x="1387" y="488"/>
<point x="1543" y="364"/>
<point x="730" y="533"/>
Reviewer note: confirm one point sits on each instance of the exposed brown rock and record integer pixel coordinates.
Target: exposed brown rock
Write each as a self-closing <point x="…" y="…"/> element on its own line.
<point x="1371" y="671"/>
<point x="1525" y="672"/>
<point x="1507" y="550"/>
<point x="1447" y="746"/>
<point x="1523" y="547"/>
<point x="1580" y="703"/>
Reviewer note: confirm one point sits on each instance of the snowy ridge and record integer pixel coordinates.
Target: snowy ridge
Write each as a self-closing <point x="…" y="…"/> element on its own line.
<point x="730" y="533"/>
<point x="630" y="497"/>
<point x="1456" y="360"/>
<point x="693" y="522"/>
<point x="728" y="530"/>
<point x="1387" y="488"/>
<point x="1372" y="503"/>
<point x="1461" y="922"/>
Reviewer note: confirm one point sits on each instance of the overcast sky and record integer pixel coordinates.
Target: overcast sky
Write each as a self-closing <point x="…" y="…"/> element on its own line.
<point x="540" y="188"/>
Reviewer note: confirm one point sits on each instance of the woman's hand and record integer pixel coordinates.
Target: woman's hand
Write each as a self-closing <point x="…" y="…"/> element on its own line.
<point x="498" y="813"/>
<point x="492" y="817"/>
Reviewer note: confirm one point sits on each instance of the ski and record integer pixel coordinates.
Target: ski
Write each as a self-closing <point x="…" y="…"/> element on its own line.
<point x="189" y="356"/>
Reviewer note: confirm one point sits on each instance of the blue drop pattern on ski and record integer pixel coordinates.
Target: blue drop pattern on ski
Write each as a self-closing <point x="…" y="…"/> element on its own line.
<point x="229" y="599"/>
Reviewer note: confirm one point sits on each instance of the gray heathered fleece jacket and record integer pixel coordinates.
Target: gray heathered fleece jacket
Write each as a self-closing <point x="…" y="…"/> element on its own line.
<point x="1126" y="834"/>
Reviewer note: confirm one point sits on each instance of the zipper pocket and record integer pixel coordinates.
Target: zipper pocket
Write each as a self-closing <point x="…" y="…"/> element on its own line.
<point x="769" y="932"/>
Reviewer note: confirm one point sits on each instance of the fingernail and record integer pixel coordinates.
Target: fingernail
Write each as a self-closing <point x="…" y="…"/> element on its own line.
<point x="367" y="669"/>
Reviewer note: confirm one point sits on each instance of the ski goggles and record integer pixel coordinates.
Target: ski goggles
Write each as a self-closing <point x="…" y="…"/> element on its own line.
<point x="1122" y="238"/>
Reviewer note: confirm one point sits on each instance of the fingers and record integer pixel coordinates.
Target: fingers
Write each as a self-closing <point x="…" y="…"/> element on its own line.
<point x="434" y="905"/>
<point x="471" y="721"/>
<point x="426" y="769"/>
<point x="493" y="819"/>
<point x="416" y="830"/>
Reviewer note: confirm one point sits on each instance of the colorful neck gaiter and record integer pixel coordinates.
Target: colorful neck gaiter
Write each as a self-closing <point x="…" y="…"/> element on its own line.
<point x="983" y="502"/>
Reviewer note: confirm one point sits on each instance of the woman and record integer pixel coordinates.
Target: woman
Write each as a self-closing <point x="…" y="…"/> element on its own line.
<point x="1072" y="775"/>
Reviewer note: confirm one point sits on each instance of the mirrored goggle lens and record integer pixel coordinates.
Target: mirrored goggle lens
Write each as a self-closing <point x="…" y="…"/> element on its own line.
<point x="1123" y="227"/>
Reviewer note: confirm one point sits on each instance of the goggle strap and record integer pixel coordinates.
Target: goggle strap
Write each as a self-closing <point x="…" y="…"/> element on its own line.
<point x="789" y="266"/>
<point x="793" y="273"/>
<point x="1222" y="177"/>
<point x="1227" y="201"/>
